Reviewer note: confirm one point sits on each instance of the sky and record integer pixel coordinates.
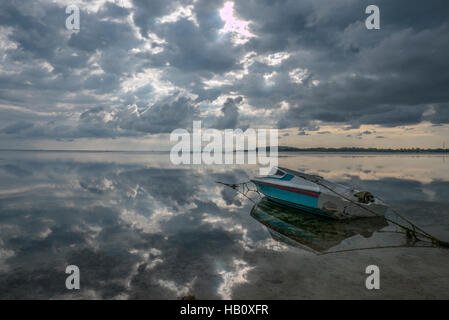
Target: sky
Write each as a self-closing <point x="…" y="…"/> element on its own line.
<point x="137" y="70"/>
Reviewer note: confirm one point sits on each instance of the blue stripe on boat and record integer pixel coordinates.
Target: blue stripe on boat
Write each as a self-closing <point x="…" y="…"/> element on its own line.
<point x="287" y="177"/>
<point x="289" y="196"/>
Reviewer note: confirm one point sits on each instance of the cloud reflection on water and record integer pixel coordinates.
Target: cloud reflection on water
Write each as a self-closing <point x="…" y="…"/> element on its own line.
<point x="141" y="228"/>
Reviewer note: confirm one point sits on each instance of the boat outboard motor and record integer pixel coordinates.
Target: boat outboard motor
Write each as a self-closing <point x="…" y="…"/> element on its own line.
<point x="364" y="196"/>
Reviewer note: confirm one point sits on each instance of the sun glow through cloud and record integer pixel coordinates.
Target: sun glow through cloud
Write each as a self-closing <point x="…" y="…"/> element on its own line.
<point x="233" y="25"/>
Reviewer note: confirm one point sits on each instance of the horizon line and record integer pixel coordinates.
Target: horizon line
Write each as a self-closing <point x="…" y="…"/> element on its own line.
<point x="293" y="149"/>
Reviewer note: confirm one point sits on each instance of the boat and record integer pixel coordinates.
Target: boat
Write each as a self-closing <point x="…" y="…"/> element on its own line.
<point x="314" y="194"/>
<point x="311" y="232"/>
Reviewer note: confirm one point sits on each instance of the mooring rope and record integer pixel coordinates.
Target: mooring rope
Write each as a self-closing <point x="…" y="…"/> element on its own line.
<point x="245" y="189"/>
<point x="411" y="232"/>
<point x="372" y="248"/>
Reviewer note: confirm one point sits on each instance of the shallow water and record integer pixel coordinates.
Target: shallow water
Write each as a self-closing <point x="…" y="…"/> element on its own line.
<point x="141" y="228"/>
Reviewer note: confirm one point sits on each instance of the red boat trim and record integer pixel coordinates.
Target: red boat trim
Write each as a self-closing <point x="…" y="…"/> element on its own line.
<point x="309" y="193"/>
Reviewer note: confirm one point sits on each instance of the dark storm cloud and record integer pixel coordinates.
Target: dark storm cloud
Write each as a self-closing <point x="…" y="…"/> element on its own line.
<point x="385" y="77"/>
<point x="160" y="118"/>
<point x="199" y="53"/>
<point x="17" y="127"/>
<point x="98" y="35"/>
<point x="112" y="10"/>
<point x="50" y="66"/>
<point x="35" y="35"/>
<point x="334" y="69"/>
<point x="230" y="114"/>
<point x="147" y="11"/>
<point x="177" y="112"/>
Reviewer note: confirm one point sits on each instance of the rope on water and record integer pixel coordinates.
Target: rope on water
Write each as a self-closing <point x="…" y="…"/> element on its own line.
<point x="372" y="248"/>
<point x="412" y="232"/>
<point x="245" y="189"/>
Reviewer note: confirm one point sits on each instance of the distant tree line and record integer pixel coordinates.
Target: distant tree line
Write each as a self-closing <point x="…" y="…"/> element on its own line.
<point x="359" y="149"/>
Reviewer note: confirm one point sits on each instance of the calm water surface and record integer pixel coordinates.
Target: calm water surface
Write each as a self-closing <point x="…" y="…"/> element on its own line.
<point x="141" y="228"/>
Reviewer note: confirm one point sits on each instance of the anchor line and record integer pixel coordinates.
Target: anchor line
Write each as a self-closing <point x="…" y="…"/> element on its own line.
<point x="411" y="232"/>
<point x="245" y="189"/>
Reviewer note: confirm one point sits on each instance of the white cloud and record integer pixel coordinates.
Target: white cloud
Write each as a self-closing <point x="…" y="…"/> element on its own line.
<point x="274" y="59"/>
<point x="180" y="13"/>
<point x="298" y="75"/>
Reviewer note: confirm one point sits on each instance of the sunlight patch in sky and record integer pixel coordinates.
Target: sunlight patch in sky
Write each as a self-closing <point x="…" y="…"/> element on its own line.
<point x="234" y="25"/>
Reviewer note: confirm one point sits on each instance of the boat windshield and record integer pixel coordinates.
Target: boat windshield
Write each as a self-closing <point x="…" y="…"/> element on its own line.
<point x="279" y="173"/>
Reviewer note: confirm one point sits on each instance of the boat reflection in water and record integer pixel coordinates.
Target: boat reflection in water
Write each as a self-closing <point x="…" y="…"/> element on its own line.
<point x="311" y="232"/>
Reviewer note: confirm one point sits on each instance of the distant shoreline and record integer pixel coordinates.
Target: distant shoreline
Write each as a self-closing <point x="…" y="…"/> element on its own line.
<point x="280" y="149"/>
<point x="360" y="150"/>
